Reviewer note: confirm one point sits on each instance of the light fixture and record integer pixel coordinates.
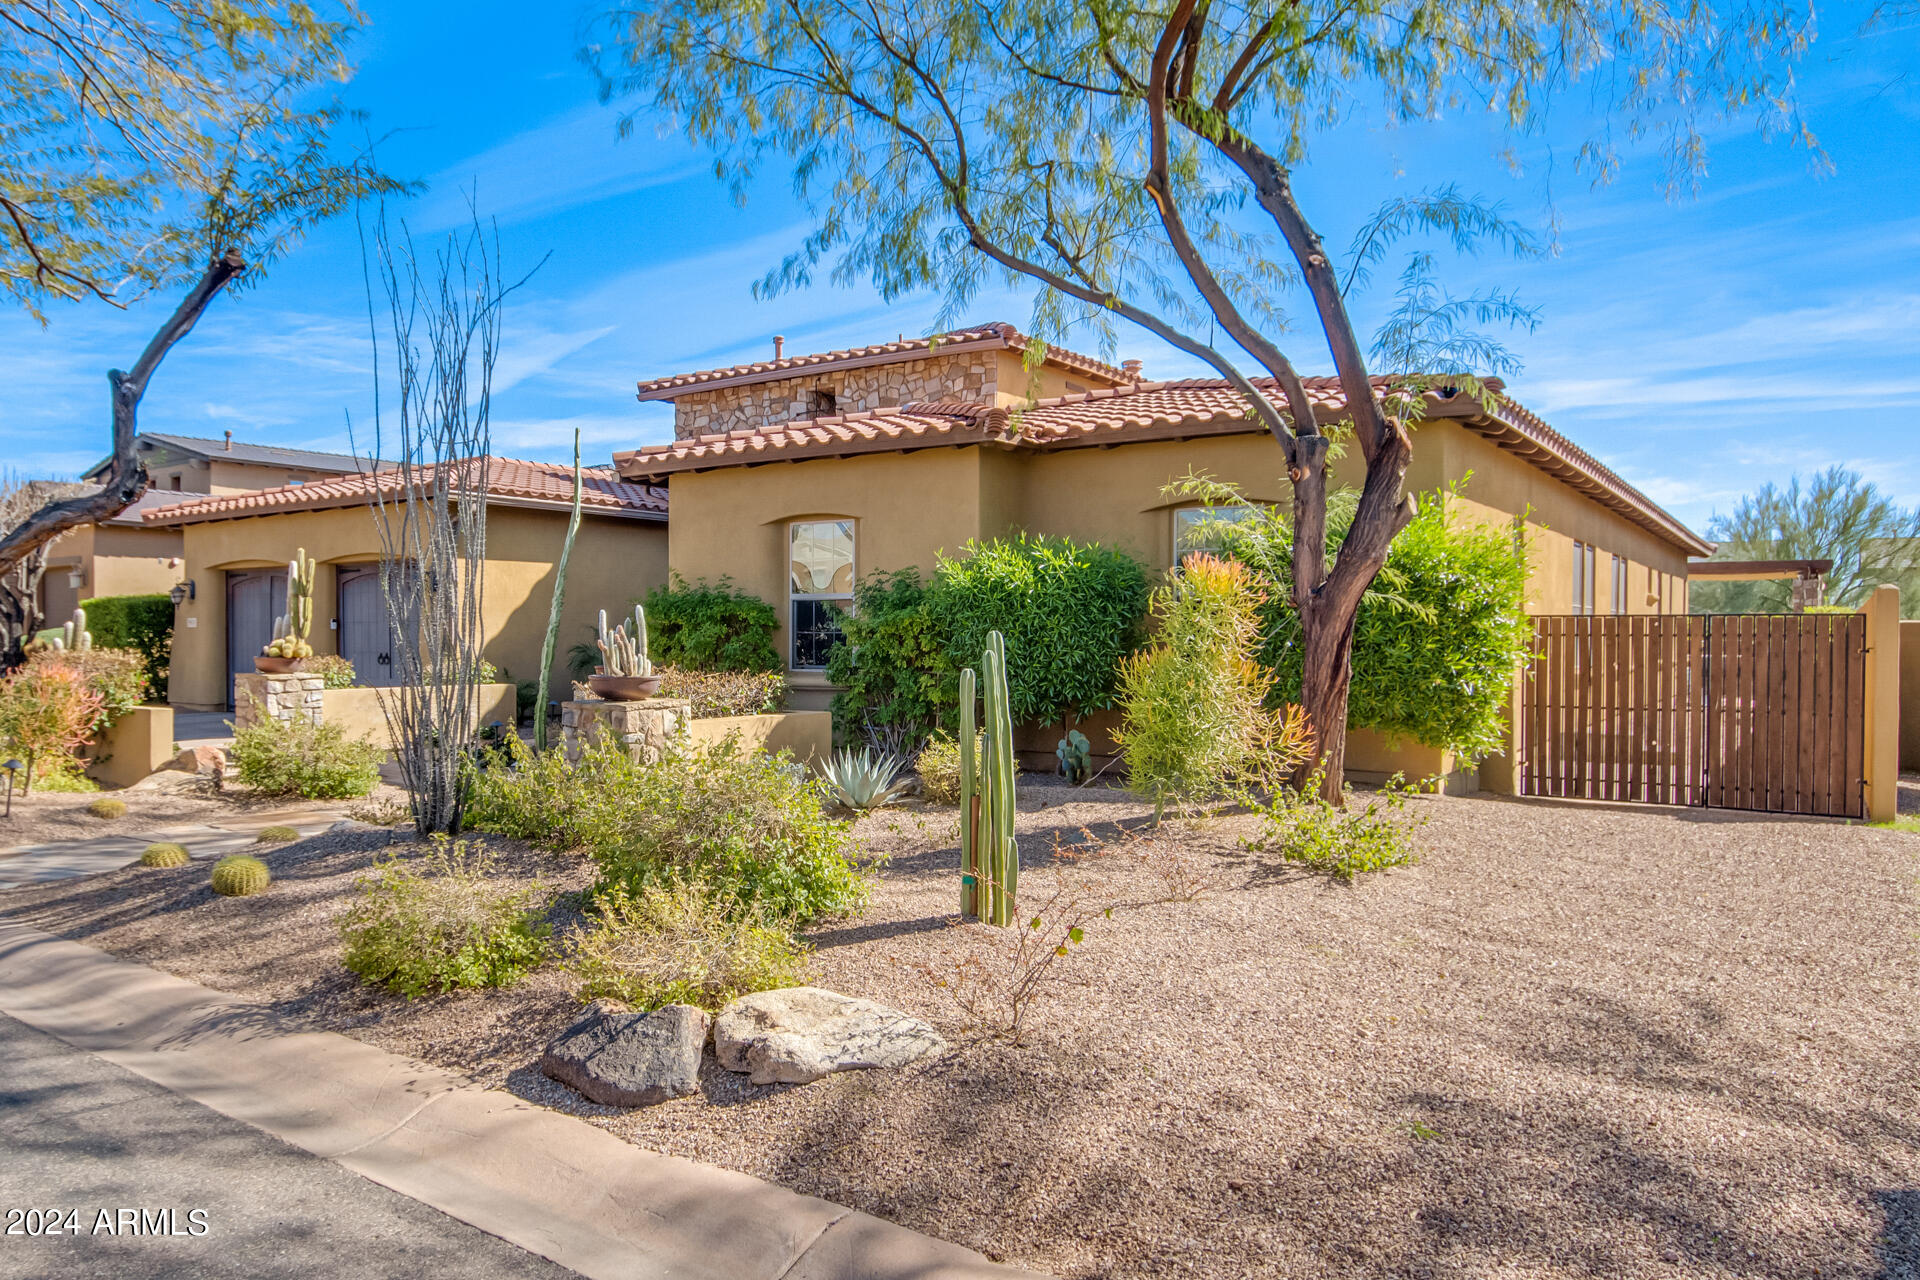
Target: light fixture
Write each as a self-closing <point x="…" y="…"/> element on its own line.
<point x="181" y="593"/>
<point x="12" y="767"/>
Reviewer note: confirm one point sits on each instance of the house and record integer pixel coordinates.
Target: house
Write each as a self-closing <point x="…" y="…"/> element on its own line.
<point x="236" y="547"/>
<point x="124" y="555"/>
<point x="931" y="442"/>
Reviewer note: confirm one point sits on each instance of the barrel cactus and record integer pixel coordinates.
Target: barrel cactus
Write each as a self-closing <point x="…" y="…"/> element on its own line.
<point x="275" y="835"/>
<point x="237" y="876"/>
<point x="107" y="807"/>
<point x="164" y="855"/>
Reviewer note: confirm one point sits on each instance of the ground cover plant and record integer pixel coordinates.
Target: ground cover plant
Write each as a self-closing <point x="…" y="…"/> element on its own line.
<point x="724" y="693"/>
<point x="751" y="825"/>
<point x="938" y="765"/>
<point x="335" y="672"/>
<point x="1301" y="827"/>
<point x="301" y="758"/>
<point x="677" y="941"/>
<point x="440" y="922"/>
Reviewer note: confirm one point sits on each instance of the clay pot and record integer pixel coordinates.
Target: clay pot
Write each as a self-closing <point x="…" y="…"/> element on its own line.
<point x="624" y="688"/>
<point x="275" y="666"/>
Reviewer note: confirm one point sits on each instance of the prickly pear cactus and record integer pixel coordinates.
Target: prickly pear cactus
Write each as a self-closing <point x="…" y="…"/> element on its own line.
<point x="238" y="876"/>
<point x="164" y="855"/>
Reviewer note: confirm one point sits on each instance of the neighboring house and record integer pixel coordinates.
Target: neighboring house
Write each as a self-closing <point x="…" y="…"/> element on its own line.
<point x="795" y="508"/>
<point x="125" y="555"/>
<point x="237" y="546"/>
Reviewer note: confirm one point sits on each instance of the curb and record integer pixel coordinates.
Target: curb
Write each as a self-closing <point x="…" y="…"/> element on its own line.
<point x="549" y="1183"/>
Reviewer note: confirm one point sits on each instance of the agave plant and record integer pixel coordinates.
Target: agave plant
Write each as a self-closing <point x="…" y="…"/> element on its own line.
<point x="865" y="780"/>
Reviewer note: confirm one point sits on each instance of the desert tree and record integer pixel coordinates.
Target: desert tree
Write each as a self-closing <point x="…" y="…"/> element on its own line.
<point x="20" y="607"/>
<point x="145" y="146"/>
<point x="1834" y="515"/>
<point x="1135" y="164"/>
<point x="441" y="310"/>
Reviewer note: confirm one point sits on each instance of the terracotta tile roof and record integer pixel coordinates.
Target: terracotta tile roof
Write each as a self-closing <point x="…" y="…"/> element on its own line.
<point x="991" y="337"/>
<point x="510" y="482"/>
<point x="1140" y="412"/>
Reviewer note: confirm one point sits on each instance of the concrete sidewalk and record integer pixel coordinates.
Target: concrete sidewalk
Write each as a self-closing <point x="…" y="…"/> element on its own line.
<point x="111" y="850"/>
<point x="553" y="1185"/>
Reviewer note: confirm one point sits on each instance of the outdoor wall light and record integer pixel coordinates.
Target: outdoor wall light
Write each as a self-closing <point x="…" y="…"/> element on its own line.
<point x="12" y="767"/>
<point x="182" y="592"/>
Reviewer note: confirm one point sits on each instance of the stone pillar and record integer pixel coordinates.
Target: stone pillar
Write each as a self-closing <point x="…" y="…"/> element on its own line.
<point x="259" y="696"/>
<point x="646" y="727"/>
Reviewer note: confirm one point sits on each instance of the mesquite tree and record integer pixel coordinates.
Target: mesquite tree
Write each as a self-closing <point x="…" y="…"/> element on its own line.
<point x="443" y="314"/>
<point x="1136" y="163"/>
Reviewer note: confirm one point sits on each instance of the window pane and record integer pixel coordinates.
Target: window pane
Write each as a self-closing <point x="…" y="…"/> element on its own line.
<point x="1199" y="528"/>
<point x="822" y="558"/>
<point x="816" y="630"/>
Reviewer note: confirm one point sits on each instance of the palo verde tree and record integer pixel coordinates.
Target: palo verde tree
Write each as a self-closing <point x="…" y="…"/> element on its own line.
<point x="1834" y="515"/>
<point x="148" y="145"/>
<point x="1136" y="162"/>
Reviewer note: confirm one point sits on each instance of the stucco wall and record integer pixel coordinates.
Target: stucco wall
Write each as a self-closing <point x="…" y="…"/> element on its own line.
<point x="613" y="562"/>
<point x="1910" y="695"/>
<point x="986" y="377"/>
<point x="114" y="560"/>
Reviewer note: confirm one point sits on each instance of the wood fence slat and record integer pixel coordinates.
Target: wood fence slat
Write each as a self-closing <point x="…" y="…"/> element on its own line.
<point x="1837" y="713"/>
<point x="1822" y="726"/>
<point x="1854" y="711"/>
<point x="1750" y="651"/>
<point x="1803" y="716"/>
<point x="1637" y="728"/>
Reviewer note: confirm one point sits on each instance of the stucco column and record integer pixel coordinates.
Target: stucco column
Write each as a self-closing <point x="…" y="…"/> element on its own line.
<point x="1500" y="772"/>
<point x="1883" y="704"/>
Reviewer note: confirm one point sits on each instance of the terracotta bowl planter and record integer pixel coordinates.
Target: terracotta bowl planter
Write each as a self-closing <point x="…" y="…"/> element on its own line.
<point x="624" y="688"/>
<point x="275" y="666"/>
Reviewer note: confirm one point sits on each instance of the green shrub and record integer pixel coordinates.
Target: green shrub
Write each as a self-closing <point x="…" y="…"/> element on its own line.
<point x="751" y="825"/>
<point x="1302" y="828"/>
<point x="62" y="778"/>
<point x="106" y="807"/>
<point x="677" y="942"/>
<point x="1194" y="718"/>
<point x="1437" y="637"/>
<point x="275" y="835"/>
<point x="116" y="676"/>
<point x="890" y="664"/>
<point x="238" y="876"/>
<point x="725" y="693"/>
<point x="939" y="767"/>
<point x="165" y="855"/>
<point x="526" y="694"/>
<point x="702" y="627"/>
<point x="1069" y="611"/>
<point x="301" y="758"/>
<point x="335" y="672"/>
<point x="440" y="922"/>
<point x="141" y="623"/>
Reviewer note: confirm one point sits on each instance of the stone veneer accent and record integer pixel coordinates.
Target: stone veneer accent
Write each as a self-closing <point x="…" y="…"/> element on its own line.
<point x="646" y="727"/>
<point x="970" y="375"/>
<point x="259" y="696"/>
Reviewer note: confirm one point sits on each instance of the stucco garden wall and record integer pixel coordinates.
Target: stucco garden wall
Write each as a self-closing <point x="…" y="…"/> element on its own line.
<point x="614" y="561"/>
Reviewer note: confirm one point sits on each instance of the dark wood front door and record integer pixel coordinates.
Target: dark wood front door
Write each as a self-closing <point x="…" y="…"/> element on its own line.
<point x="254" y="599"/>
<point x="366" y="639"/>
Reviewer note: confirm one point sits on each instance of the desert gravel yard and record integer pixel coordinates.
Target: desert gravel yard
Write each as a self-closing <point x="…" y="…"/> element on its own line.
<point x="1571" y="1041"/>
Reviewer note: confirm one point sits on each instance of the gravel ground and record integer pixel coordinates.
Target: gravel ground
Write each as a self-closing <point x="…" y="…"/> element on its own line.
<point x="1573" y="1040"/>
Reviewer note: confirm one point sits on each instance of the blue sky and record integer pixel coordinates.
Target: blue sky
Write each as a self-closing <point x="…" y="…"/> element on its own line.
<point x="1700" y="347"/>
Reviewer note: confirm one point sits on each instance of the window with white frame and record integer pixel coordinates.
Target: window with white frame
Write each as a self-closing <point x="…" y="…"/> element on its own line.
<point x="1586" y="577"/>
<point x="1199" y="529"/>
<point x="1619" y="584"/>
<point x="820" y="583"/>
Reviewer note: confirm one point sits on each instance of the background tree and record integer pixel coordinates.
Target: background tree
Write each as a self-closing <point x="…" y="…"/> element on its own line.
<point x="20" y="612"/>
<point x="1835" y="515"/>
<point x="144" y="145"/>
<point x="1136" y="162"/>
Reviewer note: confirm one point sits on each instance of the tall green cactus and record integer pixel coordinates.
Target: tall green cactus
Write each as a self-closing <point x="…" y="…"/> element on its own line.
<point x="74" y="636"/>
<point x="290" y="629"/>
<point x="621" y="653"/>
<point x="553" y="611"/>
<point x="989" y="854"/>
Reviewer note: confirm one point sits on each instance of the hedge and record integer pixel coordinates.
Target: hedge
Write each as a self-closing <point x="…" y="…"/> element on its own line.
<point x="141" y="623"/>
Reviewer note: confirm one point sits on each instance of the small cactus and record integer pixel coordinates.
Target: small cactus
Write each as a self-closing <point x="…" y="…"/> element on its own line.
<point x="164" y="855"/>
<point x="107" y="807"/>
<point x="1076" y="757"/>
<point x="275" y="835"/>
<point x="237" y="876"/>
<point x="74" y="636"/>
<point x="623" y="654"/>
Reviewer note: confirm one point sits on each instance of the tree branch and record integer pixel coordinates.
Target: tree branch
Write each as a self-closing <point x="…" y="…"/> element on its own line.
<point x="126" y="477"/>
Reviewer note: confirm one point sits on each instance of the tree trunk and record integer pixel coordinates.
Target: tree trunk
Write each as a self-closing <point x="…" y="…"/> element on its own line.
<point x="1326" y="675"/>
<point x="20" y="614"/>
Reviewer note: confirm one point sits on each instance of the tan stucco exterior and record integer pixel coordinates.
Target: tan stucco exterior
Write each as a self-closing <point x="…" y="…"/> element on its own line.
<point x="614" y="562"/>
<point x="109" y="560"/>
<point x="909" y="508"/>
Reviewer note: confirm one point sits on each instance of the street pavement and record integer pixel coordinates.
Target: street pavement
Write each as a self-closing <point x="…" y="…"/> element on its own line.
<point x="190" y="1193"/>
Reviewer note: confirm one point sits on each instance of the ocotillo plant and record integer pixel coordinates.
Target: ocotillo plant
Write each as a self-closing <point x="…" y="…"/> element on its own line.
<point x="989" y="856"/>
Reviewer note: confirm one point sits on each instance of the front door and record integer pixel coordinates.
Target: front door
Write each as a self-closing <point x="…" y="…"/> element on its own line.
<point x="254" y="599"/>
<point x="366" y="640"/>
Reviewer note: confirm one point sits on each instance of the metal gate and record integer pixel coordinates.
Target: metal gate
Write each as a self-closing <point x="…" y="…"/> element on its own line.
<point x="1747" y="711"/>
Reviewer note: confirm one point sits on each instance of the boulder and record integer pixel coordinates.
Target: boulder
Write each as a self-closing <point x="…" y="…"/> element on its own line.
<point x="623" y="1059"/>
<point x="205" y="761"/>
<point x="795" y="1035"/>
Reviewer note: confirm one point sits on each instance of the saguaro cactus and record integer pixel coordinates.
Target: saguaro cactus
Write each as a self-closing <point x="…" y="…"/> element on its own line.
<point x="290" y="629"/>
<point x="989" y="855"/>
